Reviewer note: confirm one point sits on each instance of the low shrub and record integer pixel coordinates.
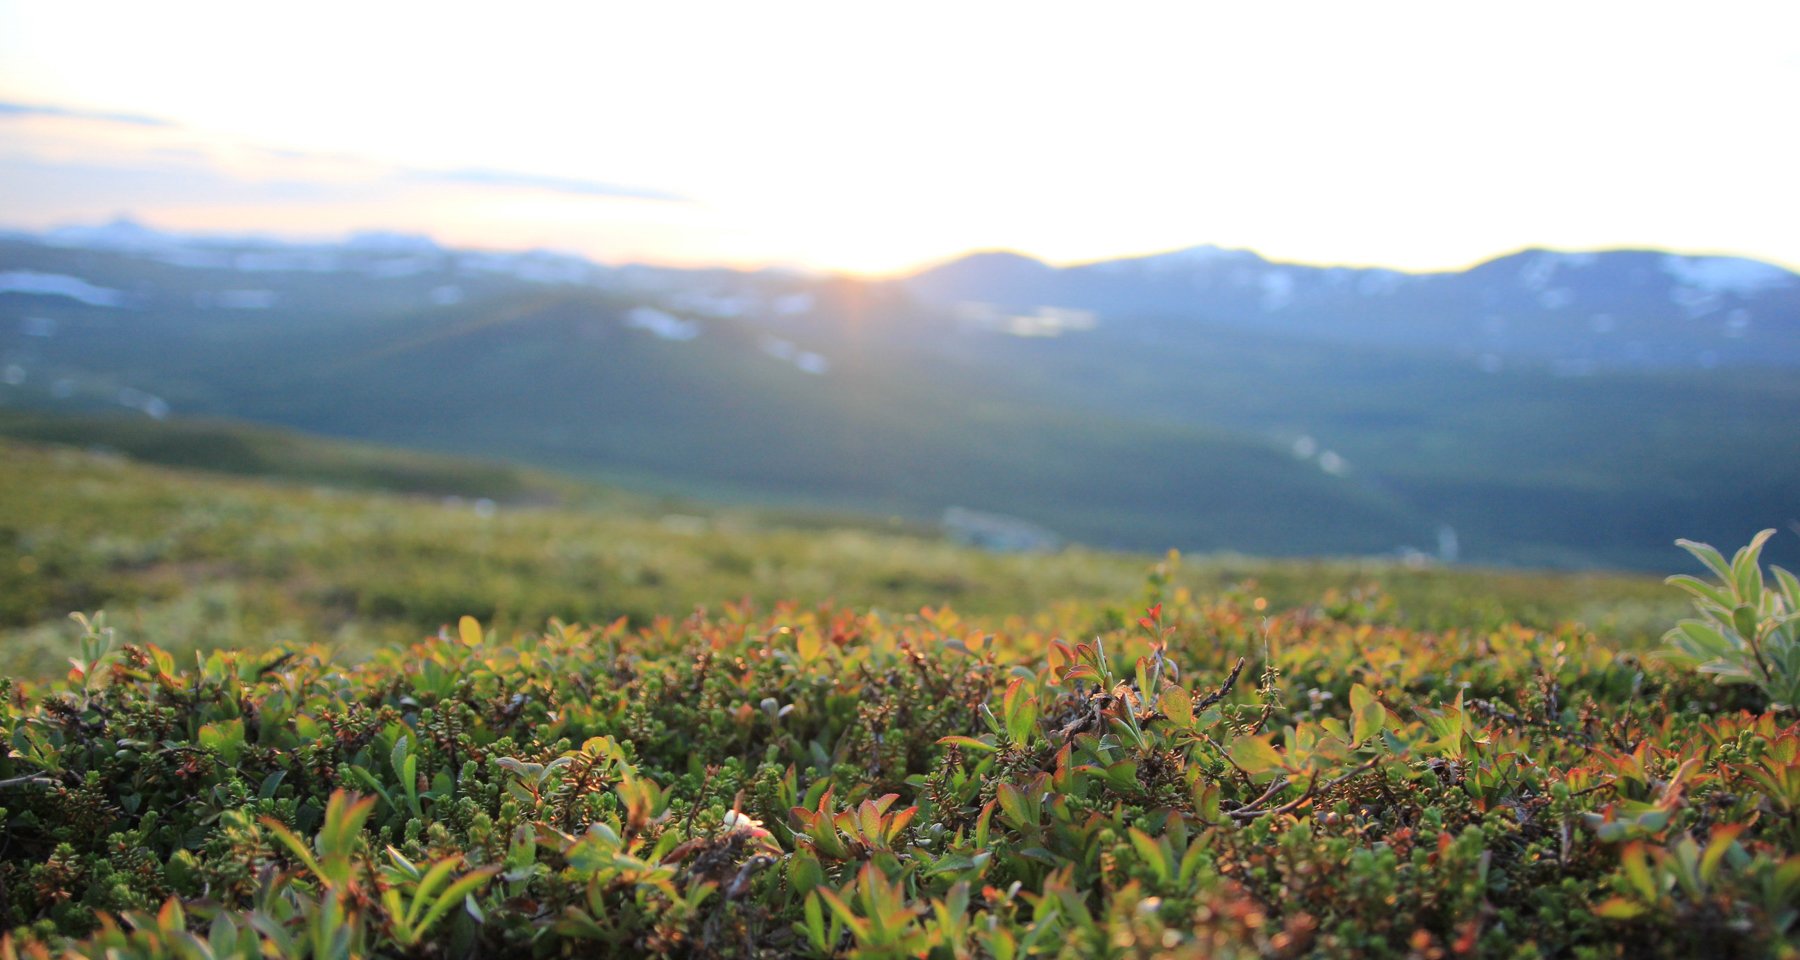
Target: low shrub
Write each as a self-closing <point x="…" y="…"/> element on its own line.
<point x="1213" y="779"/>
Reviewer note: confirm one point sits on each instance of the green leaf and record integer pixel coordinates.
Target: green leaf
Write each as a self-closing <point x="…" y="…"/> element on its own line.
<point x="1790" y="588"/>
<point x="1367" y="717"/>
<point x="225" y="737"/>
<point x="397" y="756"/>
<point x="1701" y="589"/>
<point x="1178" y="706"/>
<point x="858" y="926"/>
<point x="808" y="644"/>
<point x="1152" y="853"/>
<point x="1706" y="638"/>
<point x="1746" y="569"/>
<point x="1743" y="620"/>
<point x="805" y="874"/>
<point x="463" y="888"/>
<point x="1255" y="754"/>
<point x="1706" y="554"/>
<point x="1637" y="871"/>
<point x="1014" y="805"/>
<point x="1020" y="711"/>
<point x="1619" y="908"/>
<point x="815" y="925"/>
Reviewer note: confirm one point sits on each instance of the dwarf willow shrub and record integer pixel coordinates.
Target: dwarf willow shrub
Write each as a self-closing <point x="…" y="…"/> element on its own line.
<point x="1748" y="631"/>
<point x="1211" y="779"/>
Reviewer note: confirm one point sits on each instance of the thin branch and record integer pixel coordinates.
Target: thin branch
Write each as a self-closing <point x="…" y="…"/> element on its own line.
<point x="1224" y="688"/>
<point x="1289" y="807"/>
<point x="1360" y="769"/>
<point x="1598" y="786"/>
<point x="1274" y="788"/>
<point x="30" y="780"/>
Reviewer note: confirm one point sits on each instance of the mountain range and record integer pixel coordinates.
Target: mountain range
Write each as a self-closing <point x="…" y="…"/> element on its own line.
<point x="1542" y="408"/>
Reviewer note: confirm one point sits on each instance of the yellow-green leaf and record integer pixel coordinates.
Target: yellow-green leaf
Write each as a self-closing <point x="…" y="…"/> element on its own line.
<point x="1619" y="908"/>
<point x="1255" y="754"/>
<point x="1367" y="717"/>
<point x="807" y="644"/>
<point x="1178" y="706"/>
<point x="470" y="629"/>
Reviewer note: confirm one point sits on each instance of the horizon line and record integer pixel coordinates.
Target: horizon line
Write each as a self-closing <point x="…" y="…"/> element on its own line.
<point x="255" y="235"/>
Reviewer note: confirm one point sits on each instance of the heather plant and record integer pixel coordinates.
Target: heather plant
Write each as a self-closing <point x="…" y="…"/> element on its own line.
<point x="1209" y="777"/>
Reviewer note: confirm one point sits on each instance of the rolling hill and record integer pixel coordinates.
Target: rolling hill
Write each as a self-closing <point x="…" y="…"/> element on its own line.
<point x="1196" y="400"/>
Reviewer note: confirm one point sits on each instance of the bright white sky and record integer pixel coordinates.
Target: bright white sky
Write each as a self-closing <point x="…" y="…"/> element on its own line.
<point x="875" y="137"/>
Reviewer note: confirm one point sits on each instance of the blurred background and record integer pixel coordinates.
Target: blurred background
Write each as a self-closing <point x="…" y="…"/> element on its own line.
<point x="1501" y="284"/>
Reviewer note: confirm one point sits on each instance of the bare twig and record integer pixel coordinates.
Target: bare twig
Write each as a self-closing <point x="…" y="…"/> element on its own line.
<point x="1289" y="807"/>
<point x="1360" y="769"/>
<point x="700" y="798"/>
<point x="29" y="780"/>
<point x="1596" y="787"/>
<point x="1224" y="688"/>
<point x="1274" y="788"/>
<point x="1555" y="729"/>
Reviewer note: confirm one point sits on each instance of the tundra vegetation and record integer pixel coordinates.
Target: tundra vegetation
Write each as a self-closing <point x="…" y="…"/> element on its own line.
<point x="1181" y="768"/>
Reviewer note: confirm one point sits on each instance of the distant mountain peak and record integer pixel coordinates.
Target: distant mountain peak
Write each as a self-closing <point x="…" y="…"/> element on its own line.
<point x="123" y="233"/>
<point x="1205" y="253"/>
<point x="1739" y="275"/>
<point x="389" y="241"/>
<point x="994" y="259"/>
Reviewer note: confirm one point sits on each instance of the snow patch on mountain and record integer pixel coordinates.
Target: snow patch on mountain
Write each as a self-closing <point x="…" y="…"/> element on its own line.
<point x="1555" y="298"/>
<point x="662" y="324"/>
<point x="1734" y="275"/>
<point x="151" y="405"/>
<point x="805" y="361"/>
<point x="537" y="266"/>
<point x="123" y="235"/>
<point x="386" y="241"/>
<point x="1277" y="290"/>
<point x="59" y="285"/>
<point x="793" y="304"/>
<point x="1176" y="261"/>
<point x="1541" y="267"/>
<point x="1042" y="321"/>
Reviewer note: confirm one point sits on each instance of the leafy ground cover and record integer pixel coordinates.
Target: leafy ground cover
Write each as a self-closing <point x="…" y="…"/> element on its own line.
<point x="258" y="755"/>
<point x="1215" y="777"/>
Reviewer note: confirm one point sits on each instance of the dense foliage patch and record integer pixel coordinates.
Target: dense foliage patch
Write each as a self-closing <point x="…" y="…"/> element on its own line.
<point x="1212" y="780"/>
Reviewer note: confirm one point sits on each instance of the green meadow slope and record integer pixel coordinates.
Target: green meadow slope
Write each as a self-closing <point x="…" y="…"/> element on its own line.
<point x="1091" y="755"/>
<point x="246" y="537"/>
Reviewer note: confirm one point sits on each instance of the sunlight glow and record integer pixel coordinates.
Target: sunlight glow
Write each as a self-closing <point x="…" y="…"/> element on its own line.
<point x="874" y="138"/>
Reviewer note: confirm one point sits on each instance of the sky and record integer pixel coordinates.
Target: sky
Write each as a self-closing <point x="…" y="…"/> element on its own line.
<point x="877" y="137"/>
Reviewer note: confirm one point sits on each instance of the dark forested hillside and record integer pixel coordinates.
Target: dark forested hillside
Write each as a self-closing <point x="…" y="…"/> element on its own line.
<point x="1540" y="409"/>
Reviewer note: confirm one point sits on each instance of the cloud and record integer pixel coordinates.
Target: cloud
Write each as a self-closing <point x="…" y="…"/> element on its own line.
<point x="532" y="181"/>
<point x="11" y="109"/>
<point x="176" y="148"/>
